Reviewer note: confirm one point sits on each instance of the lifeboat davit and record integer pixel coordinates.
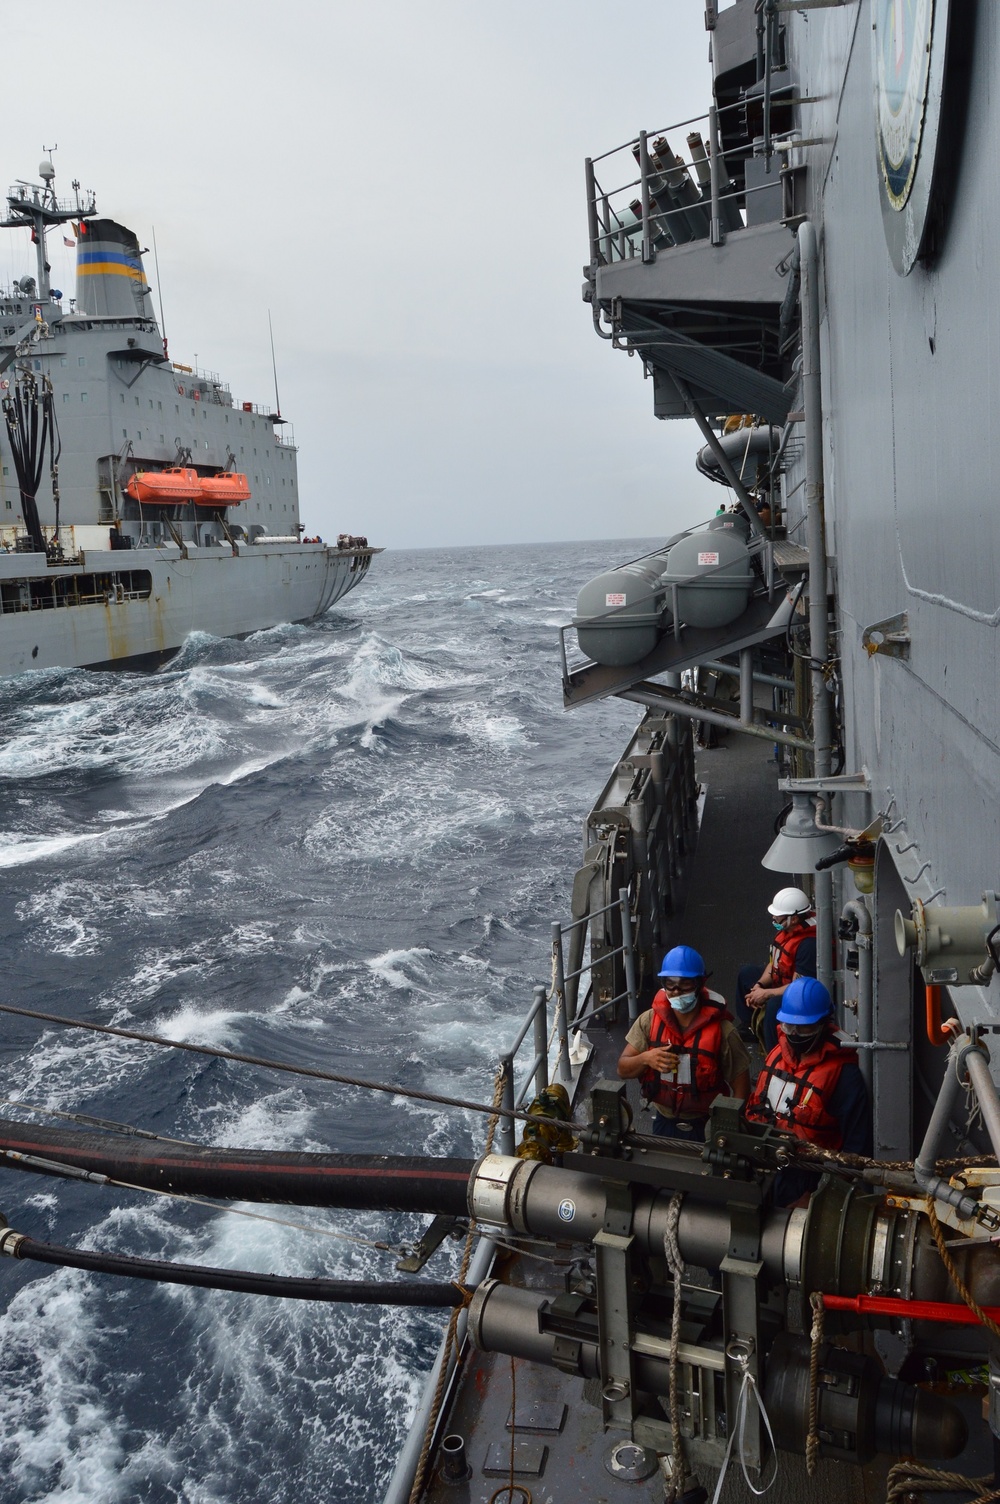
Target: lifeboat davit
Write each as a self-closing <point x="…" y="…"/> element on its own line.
<point x="165" y="486"/>
<point x="222" y="490"/>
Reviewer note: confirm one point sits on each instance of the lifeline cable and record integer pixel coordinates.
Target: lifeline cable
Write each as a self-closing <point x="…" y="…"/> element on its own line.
<point x="847" y="1160"/>
<point x="86" y="1121"/>
<point x="854" y="1161"/>
<point x="278" y="1065"/>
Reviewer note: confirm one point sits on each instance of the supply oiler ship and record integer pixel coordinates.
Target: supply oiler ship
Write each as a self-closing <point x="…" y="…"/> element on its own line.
<point x="804" y="273"/>
<point x="138" y="501"/>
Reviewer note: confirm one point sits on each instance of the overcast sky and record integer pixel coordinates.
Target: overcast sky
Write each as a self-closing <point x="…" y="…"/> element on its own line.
<point x="401" y="184"/>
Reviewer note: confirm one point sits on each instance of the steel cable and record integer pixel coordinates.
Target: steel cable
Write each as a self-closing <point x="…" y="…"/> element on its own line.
<point x="313" y="1072"/>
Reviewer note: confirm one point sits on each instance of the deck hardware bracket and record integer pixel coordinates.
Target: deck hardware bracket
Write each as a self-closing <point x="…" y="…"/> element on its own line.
<point x="891" y="637"/>
<point x="616" y="1314"/>
<point x="834" y="783"/>
<point x="433" y="1237"/>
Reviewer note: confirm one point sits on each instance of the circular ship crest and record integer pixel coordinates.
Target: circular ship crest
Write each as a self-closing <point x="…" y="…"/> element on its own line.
<point x="909" y="45"/>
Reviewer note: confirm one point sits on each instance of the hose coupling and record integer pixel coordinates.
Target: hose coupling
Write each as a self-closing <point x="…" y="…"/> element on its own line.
<point x="10" y="1243"/>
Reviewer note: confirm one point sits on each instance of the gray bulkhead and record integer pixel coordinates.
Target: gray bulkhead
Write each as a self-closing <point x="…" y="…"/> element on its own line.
<point x="908" y="367"/>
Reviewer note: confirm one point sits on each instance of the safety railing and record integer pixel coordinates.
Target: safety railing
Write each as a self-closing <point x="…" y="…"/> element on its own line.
<point x="675" y="198"/>
<point x="626" y="950"/>
<point x="31" y="195"/>
<point x="564" y="1020"/>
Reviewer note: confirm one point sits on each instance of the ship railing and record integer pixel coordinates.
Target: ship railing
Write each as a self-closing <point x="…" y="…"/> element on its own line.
<point x="627" y="222"/>
<point x="201" y="373"/>
<point x="563" y="1031"/>
<point x="759" y="548"/>
<point x="34" y="197"/>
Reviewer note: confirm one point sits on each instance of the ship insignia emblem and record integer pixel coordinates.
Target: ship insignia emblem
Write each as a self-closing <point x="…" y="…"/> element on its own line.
<point x="909" y="59"/>
<point x="902" y="55"/>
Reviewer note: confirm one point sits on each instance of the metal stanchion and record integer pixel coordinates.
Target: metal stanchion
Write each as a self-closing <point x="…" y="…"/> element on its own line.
<point x="628" y="952"/>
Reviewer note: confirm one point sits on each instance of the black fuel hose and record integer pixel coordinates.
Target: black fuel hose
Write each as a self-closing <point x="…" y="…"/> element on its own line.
<point x="363" y="1182"/>
<point x="340" y="1291"/>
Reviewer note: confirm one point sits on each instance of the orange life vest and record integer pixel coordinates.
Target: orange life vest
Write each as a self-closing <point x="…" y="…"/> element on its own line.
<point x="783" y="950"/>
<point x="700" y="1044"/>
<point x="794" y="1094"/>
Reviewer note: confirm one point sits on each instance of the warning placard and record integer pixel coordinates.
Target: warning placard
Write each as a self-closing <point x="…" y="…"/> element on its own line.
<point x="708" y="559"/>
<point x="615" y="599"/>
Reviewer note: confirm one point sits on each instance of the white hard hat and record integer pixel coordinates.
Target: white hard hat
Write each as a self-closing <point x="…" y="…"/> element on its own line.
<point x="789" y="901"/>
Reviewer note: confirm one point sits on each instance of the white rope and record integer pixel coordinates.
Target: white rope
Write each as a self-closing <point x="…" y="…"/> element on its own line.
<point x="747" y="1388"/>
<point x="675" y="1262"/>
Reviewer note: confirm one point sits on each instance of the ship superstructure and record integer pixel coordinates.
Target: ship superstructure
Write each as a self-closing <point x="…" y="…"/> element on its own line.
<point x="799" y="272"/>
<point x="95" y="412"/>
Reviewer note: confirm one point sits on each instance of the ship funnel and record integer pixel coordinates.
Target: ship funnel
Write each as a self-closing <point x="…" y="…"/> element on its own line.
<point x="109" y="275"/>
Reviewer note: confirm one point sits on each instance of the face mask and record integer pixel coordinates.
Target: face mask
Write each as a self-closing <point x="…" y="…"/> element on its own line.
<point x="779" y="924"/>
<point x="802" y="1044"/>
<point x="684" y="1003"/>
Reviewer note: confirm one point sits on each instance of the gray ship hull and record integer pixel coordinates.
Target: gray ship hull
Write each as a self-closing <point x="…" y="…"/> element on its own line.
<point x="121" y="607"/>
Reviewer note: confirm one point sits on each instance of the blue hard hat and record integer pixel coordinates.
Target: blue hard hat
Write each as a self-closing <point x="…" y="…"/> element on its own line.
<point x="682" y="961"/>
<point x="804" y="1001"/>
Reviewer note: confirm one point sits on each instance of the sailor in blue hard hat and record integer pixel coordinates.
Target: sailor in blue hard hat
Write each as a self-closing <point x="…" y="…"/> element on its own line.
<point x="685" y="1049"/>
<point x="811" y="1085"/>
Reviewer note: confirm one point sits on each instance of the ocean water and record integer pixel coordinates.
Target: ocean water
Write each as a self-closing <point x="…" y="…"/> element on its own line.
<point x="340" y="843"/>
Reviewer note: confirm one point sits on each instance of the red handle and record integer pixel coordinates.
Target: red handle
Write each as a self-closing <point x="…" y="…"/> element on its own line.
<point x="916" y="1310"/>
<point x="933" y="1005"/>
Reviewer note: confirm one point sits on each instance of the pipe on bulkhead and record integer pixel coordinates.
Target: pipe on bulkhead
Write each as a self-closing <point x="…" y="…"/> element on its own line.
<point x="858" y="911"/>
<point x="822" y="719"/>
<point x="667" y="704"/>
<point x="925" y="1164"/>
<point x="746" y="686"/>
<point x="731" y="669"/>
<point x="974" y="1057"/>
<point x="712" y="440"/>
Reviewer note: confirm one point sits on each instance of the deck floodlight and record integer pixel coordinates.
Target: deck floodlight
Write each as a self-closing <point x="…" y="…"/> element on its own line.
<point x="801" y="843"/>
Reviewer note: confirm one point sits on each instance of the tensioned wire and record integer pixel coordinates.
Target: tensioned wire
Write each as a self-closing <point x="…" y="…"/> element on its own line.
<point x="849" y="1162"/>
<point x="313" y="1072"/>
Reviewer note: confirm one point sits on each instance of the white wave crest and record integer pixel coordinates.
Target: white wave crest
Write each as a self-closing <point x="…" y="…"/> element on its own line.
<point x="401" y="968"/>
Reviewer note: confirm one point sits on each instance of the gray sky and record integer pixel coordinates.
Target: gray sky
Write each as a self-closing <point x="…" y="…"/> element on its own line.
<point x="401" y="184"/>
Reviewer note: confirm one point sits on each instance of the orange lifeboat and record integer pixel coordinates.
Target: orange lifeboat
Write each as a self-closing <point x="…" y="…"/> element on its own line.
<point x="223" y="490"/>
<point x="164" y="487"/>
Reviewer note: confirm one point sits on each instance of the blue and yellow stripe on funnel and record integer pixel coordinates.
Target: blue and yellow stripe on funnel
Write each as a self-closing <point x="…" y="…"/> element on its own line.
<point x="104" y="262"/>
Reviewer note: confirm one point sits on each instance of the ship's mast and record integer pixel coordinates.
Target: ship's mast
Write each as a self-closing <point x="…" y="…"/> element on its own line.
<point x="35" y="206"/>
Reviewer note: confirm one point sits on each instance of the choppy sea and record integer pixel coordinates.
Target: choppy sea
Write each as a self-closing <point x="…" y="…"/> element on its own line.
<point x="342" y="843"/>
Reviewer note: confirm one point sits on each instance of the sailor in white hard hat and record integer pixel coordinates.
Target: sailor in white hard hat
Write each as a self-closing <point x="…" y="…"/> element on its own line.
<point x="759" y="993"/>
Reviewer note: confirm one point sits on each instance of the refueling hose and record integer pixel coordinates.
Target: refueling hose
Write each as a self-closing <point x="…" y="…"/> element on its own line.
<point x="355" y="1292"/>
<point x="363" y="1182"/>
